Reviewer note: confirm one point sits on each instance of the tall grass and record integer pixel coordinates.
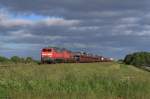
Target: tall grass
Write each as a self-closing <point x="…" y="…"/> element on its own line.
<point x="75" y="81"/>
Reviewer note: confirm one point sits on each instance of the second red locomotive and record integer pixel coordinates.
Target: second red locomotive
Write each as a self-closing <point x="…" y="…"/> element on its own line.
<point x="57" y="55"/>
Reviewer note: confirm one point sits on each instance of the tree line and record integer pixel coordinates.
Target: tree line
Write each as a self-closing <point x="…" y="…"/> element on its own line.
<point x="17" y="59"/>
<point x="138" y="59"/>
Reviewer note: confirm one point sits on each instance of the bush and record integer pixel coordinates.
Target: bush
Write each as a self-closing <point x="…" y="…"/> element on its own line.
<point x="3" y="59"/>
<point x="16" y="59"/>
<point x="138" y="59"/>
<point x="29" y="60"/>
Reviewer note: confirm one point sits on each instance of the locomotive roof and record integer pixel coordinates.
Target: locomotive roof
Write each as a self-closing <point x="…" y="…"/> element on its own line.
<point x="57" y="48"/>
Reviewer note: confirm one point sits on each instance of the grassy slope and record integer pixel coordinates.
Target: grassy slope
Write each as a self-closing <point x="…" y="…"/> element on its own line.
<point x="76" y="81"/>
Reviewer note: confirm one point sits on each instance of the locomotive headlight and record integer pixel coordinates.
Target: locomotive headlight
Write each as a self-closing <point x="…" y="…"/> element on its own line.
<point x="46" y="54"/>
<point x="49" y="54"/>
<point x="43" y="54"/>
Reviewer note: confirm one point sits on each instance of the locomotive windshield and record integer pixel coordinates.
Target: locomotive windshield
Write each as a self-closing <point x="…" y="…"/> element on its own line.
<point x="47" y="50"/>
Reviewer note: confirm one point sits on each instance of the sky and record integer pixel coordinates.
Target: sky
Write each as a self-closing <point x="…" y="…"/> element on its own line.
<point x="111" y="28"/>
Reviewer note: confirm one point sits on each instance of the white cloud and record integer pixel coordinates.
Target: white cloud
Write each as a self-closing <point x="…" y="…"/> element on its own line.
<point x="55" y="37"/>
<point x="20" y="33"/>
<point x="85" y="28"/>
<point x="15" y="22"/>
<point x="130" y="20"/>
<point x="58" y="21"/>
<point x="144" y="33"/>
<point x="7" y="20"/>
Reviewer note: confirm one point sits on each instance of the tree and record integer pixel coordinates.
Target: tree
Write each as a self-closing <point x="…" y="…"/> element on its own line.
<point x="3" y="59"/>
<point x="29" y="60"/>
<point x="15" y="59"/>
<point x="128" y="59"/>
<point x="138" y="59"/>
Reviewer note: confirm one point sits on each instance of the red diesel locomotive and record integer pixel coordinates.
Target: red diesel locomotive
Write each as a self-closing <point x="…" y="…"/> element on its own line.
<point x="57" y="55"/>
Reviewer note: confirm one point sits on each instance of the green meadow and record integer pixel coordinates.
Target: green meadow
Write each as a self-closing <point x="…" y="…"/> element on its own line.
<point x="73" y="81"/>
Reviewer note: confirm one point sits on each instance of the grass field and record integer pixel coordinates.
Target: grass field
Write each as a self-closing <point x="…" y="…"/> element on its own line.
<point x="74" y="81"/>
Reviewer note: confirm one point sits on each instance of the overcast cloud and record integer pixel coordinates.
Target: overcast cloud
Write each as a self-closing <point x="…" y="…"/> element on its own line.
<point x="111" y="28"/>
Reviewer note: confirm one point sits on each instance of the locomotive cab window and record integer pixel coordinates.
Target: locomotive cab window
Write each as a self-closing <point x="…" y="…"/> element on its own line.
<point x="47" y="50"/>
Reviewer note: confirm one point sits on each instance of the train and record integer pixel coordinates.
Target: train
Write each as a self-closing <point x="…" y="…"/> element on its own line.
<point x="62" y="55"/>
